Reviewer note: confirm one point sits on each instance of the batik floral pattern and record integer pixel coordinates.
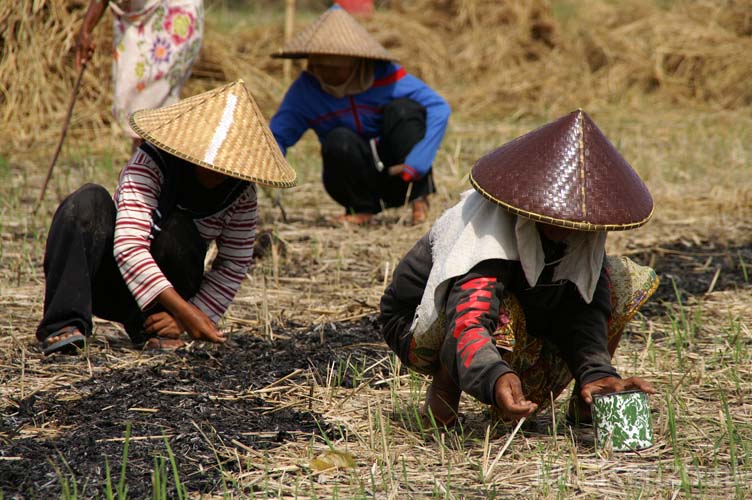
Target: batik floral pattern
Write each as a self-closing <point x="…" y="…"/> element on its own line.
<point x="542" y="371"/>
<point x="153" y="52"/>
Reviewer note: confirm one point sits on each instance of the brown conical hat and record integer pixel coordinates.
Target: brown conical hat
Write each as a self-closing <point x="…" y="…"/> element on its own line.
<point x="335" y="33"/>
<point x="567" y="174"/>
<point x="222" y="130"/>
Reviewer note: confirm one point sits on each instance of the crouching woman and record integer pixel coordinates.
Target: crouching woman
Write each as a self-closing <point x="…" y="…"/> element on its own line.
<point x="137" y="257"/>
<point x="510" y="295"/>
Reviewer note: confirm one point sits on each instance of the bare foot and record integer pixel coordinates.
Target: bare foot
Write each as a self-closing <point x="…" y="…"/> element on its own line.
<point x="420" y="210"/>
<point x="443" y="398"/>
<point x="163" y="344"/>
<point x="356" y="219"/>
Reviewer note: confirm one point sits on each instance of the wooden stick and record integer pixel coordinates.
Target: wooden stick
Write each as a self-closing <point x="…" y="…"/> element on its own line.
<point x="289" y="24"/>
<point x="66" y="123"/>
<point x="487" y="472"/>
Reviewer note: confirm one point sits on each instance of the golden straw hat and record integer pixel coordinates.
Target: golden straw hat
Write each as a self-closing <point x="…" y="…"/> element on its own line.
<point x="335" y="33"/>
<point x="567" y="174"/>
<point x="222" y="130"/>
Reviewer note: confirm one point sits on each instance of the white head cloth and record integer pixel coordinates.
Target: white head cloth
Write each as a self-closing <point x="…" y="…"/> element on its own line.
<point x="476" y="229"/>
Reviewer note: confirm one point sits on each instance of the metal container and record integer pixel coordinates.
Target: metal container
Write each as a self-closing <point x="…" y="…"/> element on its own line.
<point x="622" y="421"/>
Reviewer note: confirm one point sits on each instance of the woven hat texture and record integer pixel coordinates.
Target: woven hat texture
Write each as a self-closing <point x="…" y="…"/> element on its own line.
<point x="334" y="33"/>
<point x="222" y="130"/>
<point x="567" y="174"/>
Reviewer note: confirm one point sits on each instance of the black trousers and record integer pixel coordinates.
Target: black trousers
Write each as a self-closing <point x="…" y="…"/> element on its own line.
<point x="82" y="278"/>
<point x="350" y="175"/>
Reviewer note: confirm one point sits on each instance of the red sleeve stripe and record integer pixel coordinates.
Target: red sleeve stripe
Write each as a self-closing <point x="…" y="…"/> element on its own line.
<point x="478" y="283"/>
<point x="390" y="79"/>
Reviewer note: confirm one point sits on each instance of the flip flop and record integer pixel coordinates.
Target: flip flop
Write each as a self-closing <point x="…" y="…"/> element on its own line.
<point x="71" y="344"/>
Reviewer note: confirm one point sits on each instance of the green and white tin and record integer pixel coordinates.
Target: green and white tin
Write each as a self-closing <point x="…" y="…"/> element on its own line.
<point x="622" y="421"/>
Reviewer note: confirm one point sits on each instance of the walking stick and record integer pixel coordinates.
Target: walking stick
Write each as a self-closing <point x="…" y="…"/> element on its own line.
<point x="66" y="123"/>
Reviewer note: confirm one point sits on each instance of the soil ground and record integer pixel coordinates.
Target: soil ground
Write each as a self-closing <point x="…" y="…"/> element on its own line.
<point x="204" y="398"/>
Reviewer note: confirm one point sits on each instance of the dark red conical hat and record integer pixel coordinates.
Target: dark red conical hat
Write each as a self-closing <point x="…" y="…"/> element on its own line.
<point x="568" y="174"/>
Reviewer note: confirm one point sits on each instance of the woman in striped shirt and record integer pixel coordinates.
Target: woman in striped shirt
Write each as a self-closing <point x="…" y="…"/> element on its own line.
<point x="138" y="257"/>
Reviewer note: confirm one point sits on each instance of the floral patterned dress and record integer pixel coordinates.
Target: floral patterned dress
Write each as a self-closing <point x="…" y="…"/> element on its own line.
<point x="155" y="44"/>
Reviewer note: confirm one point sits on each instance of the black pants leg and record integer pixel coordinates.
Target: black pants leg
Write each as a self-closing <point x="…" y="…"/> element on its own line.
<point x="403" y="127"/>
<point x="82" y="277"/>
<point x="79" y="238"/>
<point x="349" y="175"/>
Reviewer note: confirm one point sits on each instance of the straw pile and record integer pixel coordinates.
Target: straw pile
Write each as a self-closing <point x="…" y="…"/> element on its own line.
<point x="489" y="58"/>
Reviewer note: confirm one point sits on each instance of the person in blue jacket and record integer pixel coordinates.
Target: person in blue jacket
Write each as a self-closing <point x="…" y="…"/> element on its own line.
<point x="379" y="127"/>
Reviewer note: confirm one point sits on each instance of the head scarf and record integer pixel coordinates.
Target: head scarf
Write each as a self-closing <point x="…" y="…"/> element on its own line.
<point x="359" y="80"/>
<point x="477" y="229"/>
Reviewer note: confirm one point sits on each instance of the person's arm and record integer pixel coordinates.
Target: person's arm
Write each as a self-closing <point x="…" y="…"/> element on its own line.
<point x="582" y="333"/>
<point x="289" y="123"/>
<point x="85" y="45"/>
<point x="472" y="314"/>
<point x="418" y="162"/>
<point x="234" y="258"/>
<point x="136" y="198"/>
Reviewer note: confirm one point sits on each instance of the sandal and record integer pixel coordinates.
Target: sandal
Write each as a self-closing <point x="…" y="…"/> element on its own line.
<point x="70" y="341"/>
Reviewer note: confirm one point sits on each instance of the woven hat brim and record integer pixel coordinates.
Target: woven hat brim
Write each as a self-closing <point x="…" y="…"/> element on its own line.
<point x="304" y="55"/>
<point x="569" y="224"/>
<point x="334" y="33"/>
<point x="161" y="145"/>
<point x="244" y="147"/>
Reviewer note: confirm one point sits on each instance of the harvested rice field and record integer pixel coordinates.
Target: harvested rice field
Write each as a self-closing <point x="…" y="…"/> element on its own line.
<point x="305" y="400"/>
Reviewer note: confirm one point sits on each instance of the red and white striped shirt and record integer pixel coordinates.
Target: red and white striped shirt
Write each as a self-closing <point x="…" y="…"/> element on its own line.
<point x="233" y="229"/>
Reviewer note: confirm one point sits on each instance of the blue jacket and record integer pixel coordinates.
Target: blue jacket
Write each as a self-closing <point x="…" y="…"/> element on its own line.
<point x="306" y="106"/>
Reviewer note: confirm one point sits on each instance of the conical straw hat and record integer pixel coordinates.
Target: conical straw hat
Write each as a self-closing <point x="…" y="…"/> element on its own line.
<point x="567" y="174"/>
<point x="334" y="33"/>
<point x="222" y="130"/>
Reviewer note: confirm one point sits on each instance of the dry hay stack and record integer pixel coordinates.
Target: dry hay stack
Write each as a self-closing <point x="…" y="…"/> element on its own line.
<point x="490" y="58"/>
<point x="499" y="57"/>
<point x="37" y="73"/>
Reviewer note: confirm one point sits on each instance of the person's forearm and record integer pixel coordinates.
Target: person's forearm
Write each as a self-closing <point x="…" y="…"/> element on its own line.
<point x="173" y="302"/>
<point x="93" y="15"/>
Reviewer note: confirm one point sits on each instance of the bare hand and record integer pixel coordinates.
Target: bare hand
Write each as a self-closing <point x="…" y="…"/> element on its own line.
<point x="194" y="321"/>
<point x="609" y="385"/>
<point x="198" y="325"/>
<point x="84" y="48"/>
<point x="163" y="324"/>
<point x="396" y="169"/>
<point x="510" y="399"/>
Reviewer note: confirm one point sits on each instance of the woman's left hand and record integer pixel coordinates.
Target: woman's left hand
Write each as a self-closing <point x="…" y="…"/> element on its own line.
<point x="163" y="324"/>
<point x="609" y="385"/>
<point x="396" y="169"/>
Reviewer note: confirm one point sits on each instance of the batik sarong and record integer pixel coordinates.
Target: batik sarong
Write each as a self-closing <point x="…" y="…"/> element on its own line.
<point x="541" y="370"/>
<point x="155" y="43"/>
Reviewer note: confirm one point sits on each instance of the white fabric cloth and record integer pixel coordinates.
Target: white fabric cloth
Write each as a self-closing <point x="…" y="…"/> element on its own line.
<point x="476" y="229"/>
<point x="360" y="79"/>
<point x="155" y="43"/>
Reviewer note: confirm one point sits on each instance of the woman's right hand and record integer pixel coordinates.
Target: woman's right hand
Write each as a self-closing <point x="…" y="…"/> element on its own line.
<point x="198" y="325"/>
<point x="510" y="398"/>
<point x="84" y="48"/>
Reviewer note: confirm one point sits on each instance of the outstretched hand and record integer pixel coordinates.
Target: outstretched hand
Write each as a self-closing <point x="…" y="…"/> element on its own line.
<point x="510" y="398"/>
<point x="609" y="385"/>
<point x="191" y="318"/>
